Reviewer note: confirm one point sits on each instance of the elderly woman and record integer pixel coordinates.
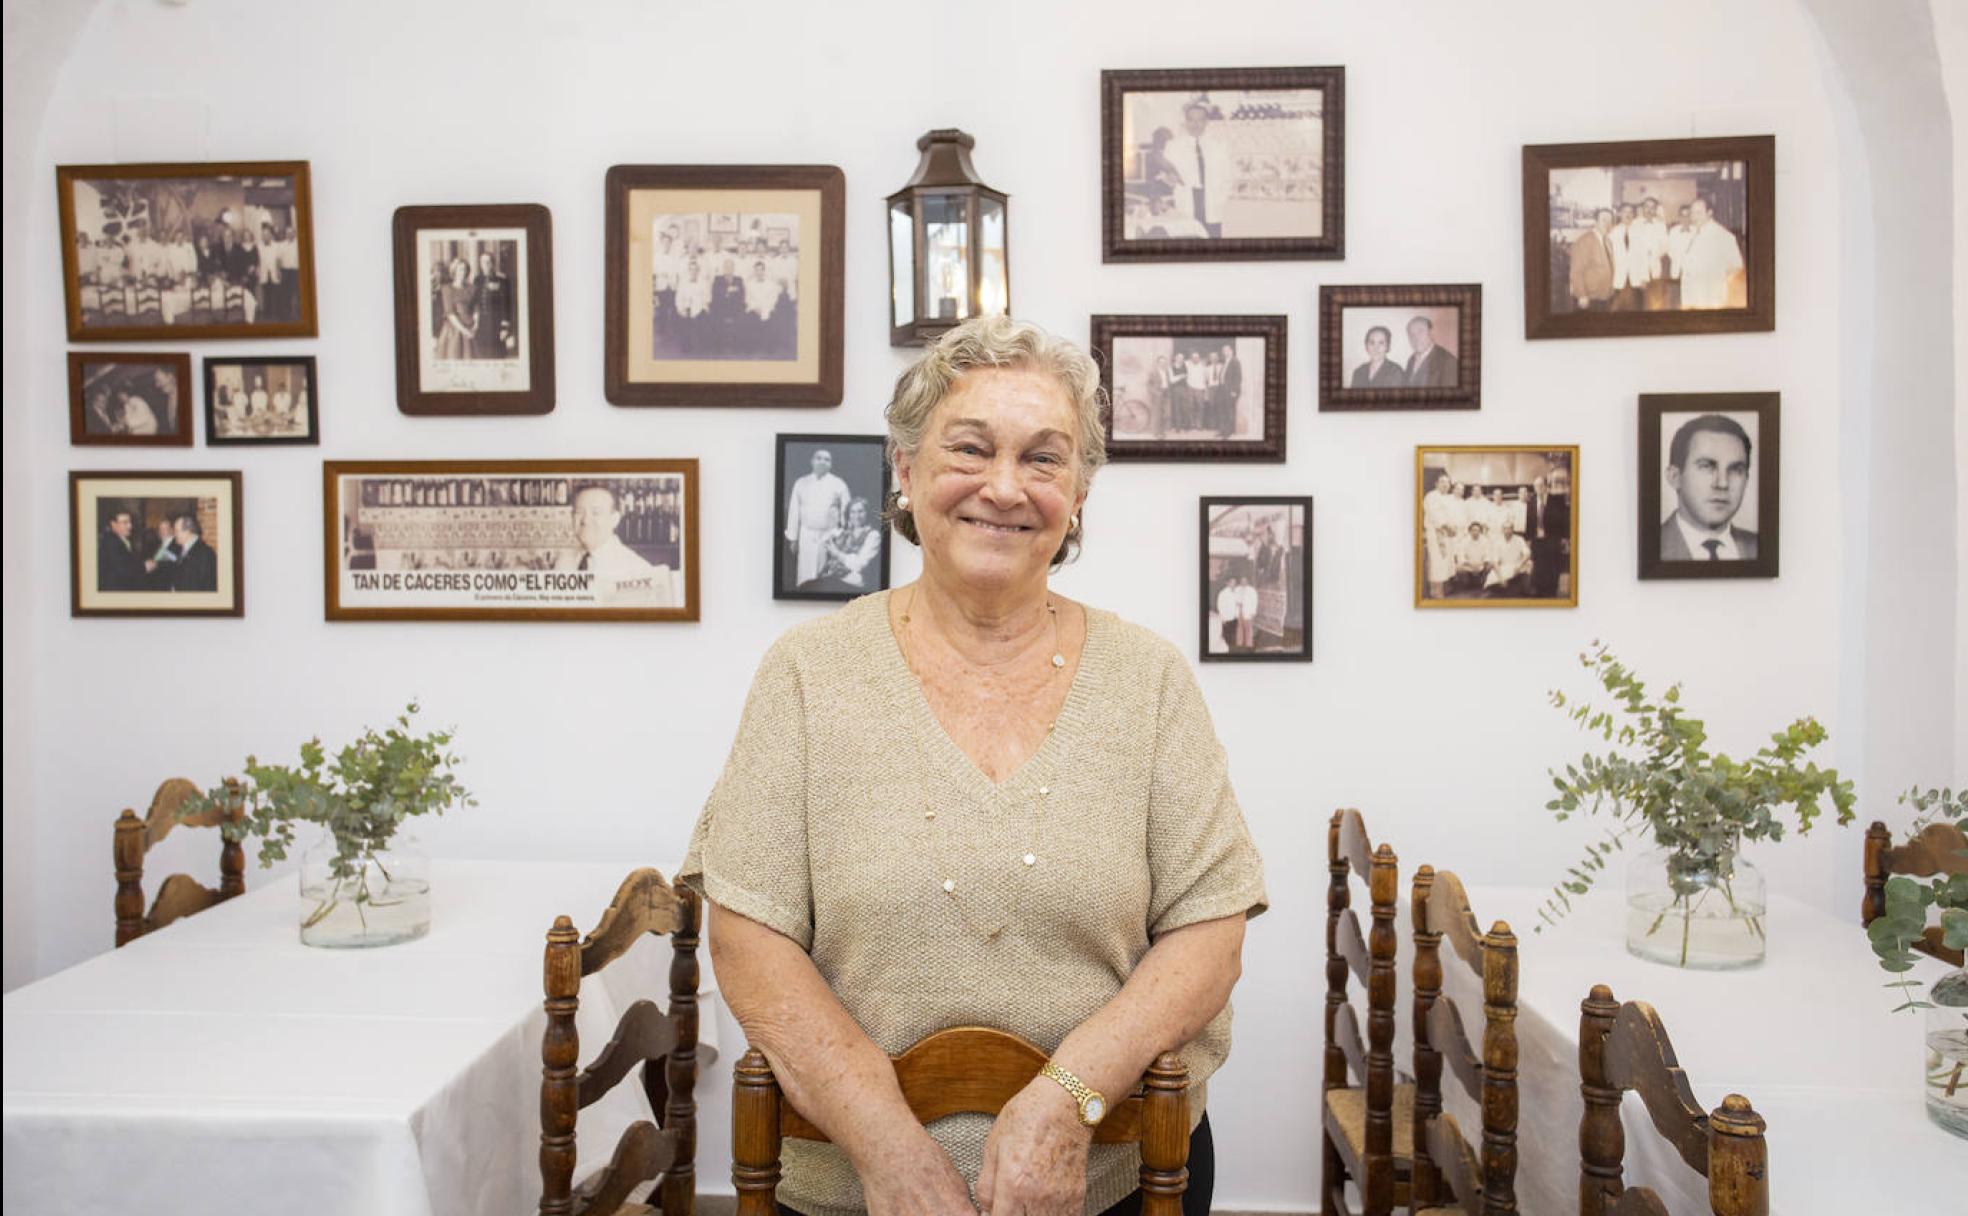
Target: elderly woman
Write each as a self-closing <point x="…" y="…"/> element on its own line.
<point x="973" y="801"/>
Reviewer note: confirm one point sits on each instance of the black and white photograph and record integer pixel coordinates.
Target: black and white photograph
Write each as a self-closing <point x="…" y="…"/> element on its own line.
<point x="1650" y="231"/>
<point x="724" y="285"/>
<point x="1407" y="347"/>
<point x="1494" y="527"/>
<point x="1193" y="388"/>
<point x="1708" y="485"/>
<point x="129" y="399"/>
<point x="181" y="251"/>
<point x="474" y="310"/>
<point x="156" y="544"/>
<point x="511" y="539"/>
<point x="1238" y="163"/>
<point x="1256" y="580"/>
<point x="829" y="541"/>
<point x="270" y="400"/>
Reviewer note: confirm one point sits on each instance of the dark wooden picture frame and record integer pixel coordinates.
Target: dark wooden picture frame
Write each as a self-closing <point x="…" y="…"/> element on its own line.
<point x="177" y="362"/>
<point x="538" y="299"/>
<point x="417" y="474"/>
<point x="303" y="325"/>
<point x="825" y="387"/>
<point x="1568" y="544"/>
<point x="225" y="484"/>
<point x="785" y="588"/>
<point x="1767" y="442"/>
<point x="1336" y="395"/>
<point x="212" y="436"/>
<point x="1303" y="585"/>
<point x="1107" y="328"/>
<point x="1116" y="246"/>
<point x="1757" y="240"/>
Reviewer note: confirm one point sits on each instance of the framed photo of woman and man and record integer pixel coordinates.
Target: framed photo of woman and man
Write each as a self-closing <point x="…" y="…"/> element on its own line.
<point x="474" y="309"/>
<point x="1401" y="348"/>
<point x="829" y="539"/>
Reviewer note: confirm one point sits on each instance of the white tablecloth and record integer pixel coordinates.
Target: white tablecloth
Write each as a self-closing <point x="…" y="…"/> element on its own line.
<point x="220" y="1065"/>
<point x="1808" y="1037"/>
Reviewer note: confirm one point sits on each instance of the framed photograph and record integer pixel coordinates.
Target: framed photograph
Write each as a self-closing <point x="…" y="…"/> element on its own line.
<point x="129" y="399"/>
<point x="724" y="284"/>
<point x="474" y="309"/>
<point x="510" y="540"/>
<point x="1401" y="348"/>
<point x="1231" y="164"/>
<point x="1193" y="388"/>
<point x="829" y="541"/>
<point x="1664" y="236"/>
<point x="1494" y="526"/>
<point x="155" y="544"/>
<point x="1256" y="580"/>
<point x="275" y="399"/>
<point x="185" y="252"/>
<point x="1708" y="485"/>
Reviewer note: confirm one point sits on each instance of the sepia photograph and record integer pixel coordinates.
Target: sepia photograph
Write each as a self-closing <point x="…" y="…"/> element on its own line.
<point x="270" y="400"/>
<point x="1183" y="388"/>
<point x="725" y="284"/>
<point x="1708" y="485"/>
<point x="829" y="541"/>
<point x="559" y="540"/>
<point x="129" y="399"/>
<point x="474" y="310"/>
<point x="1256" y="580"/>
<point x="1670" y="236"/>
<point x="187" y="251"/>
<point x="1401" y="348"/>
<point x="1241" y="163"/>
<point x="1494" y="527"/>
<point x="155" y="544"/>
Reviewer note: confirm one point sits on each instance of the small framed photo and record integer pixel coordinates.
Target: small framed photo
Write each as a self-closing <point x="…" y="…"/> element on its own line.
<point x="510" y="540"/>
<point x="829" y="541"/>
<point x="725" y="284"/>
<point x="129" y="399"/>
<point x="1401" y="348"/>
<point x="183" y="252"/>
<point x="1664" y="236"/>
<point x="155" y="544"/>
<point x="1193" y="388"/>
<point x="1708" y="485"/>
<point x="1255" y="580"/>
<point x="1494" y="526"/>
<point x="275" y="399"/>
<point x="1232" y="164"/>
<point x="474" y="309"/>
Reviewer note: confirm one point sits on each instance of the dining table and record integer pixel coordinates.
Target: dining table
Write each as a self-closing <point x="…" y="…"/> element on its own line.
<point x="1809" y="1036"/>
<point x="218" y="1064"/>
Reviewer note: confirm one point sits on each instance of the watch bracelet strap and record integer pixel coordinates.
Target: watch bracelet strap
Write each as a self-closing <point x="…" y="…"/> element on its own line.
<point x="1072" y="1084"/>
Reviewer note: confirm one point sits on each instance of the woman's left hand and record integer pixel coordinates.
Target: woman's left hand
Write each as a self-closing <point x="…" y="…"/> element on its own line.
<point x="1035" y="1158"/>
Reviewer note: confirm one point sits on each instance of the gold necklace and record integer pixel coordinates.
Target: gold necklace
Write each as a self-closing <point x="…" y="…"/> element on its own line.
<point x="1052" y="611"/>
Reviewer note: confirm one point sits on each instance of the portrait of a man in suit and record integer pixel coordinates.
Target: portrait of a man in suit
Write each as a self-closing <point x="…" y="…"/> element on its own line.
<point x="1708" y="468"/>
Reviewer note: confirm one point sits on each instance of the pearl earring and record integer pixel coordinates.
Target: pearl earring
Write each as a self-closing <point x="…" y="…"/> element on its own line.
<point x="1076" y="521"/>
<point x="902" y="502"/>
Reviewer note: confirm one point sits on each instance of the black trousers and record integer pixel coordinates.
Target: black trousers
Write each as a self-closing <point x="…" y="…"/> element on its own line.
<point x="1195" y="1200"/>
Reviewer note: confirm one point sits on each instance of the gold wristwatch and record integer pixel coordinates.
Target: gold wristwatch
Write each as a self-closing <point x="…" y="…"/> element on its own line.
<point x="1093" y="1105"/>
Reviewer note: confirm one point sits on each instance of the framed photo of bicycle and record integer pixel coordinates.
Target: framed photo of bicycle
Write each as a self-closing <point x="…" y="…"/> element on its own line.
<point x="1193" y="388"/>
<point x="474" y="309"/>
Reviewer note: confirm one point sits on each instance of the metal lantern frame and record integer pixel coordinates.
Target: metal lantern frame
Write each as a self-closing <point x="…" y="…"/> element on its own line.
<point x="943" y="173"/>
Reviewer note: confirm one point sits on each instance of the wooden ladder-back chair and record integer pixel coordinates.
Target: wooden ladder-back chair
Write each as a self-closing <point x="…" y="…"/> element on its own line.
<point x="665" y="1044"/>
<point x="1625" y="1047"/>
<point x="1448" y="1175"/>
<point x="180" y="895"/>
<point x="966" y="1069"/>
<point x="1939" y="848"/>
<point x="1366" y="1128"/>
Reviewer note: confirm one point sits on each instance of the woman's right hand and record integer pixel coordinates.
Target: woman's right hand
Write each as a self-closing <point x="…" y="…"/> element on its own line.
<point x="912" y="1174"/>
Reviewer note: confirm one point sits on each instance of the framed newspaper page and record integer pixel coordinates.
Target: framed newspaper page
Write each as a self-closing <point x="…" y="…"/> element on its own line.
<point x="510" y="540"/>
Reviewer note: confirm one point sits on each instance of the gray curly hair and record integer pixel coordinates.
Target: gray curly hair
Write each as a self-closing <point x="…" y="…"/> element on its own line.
<point x="995" y="341"/>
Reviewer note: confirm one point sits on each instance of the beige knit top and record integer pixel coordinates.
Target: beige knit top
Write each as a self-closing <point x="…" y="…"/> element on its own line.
<point x="929" y="897"/>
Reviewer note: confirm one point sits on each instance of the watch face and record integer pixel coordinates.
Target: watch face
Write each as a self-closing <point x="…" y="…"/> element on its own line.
<point x="1096" y="1109"/>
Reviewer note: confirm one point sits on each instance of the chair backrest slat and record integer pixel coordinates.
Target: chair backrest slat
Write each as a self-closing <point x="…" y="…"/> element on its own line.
<point x="1461" y="1175"/>
<point x="1447" y="1037"/>
<point x="644" y="903"/>
<point x="1353" y="947"/>
<point x="1939" y="848"/>
<point x="1354" y="847"/>
<point x="179" y="895"/>
<point x="1640" y="1057"/>
<point x="645" y="1033"/>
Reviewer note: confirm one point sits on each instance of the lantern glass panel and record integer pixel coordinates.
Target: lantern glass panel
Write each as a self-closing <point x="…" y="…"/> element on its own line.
<point x="993" y="282"/>
<point x="946" y="252"/>
<point x="902" y="252"/>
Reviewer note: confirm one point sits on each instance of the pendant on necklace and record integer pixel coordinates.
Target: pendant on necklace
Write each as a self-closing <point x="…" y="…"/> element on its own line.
<point x="1058" y="660"/>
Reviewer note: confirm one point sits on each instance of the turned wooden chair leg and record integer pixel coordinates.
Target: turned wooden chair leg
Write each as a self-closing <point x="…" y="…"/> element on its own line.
<point x="1165" y="1136"/>
<point x="755" y="1136"/>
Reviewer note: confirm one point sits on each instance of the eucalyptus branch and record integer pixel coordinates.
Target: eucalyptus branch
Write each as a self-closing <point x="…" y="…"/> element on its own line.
<point x="1908" y="899"/>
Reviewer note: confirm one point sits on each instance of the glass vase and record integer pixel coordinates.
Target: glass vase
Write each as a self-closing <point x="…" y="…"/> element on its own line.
<point x="1704" y="912"/>
<point x="364" y="895"/>
<point x="1947" y="1052"/>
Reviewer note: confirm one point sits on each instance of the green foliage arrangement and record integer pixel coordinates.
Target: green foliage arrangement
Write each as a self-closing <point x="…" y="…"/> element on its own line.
<point x="362" y="796"/>
<point x="1908" y="899"/>
<point x="1660" y="778"/>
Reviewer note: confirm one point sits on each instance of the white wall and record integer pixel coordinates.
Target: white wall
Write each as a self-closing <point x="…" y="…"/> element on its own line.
<point x="599" y="741"/>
